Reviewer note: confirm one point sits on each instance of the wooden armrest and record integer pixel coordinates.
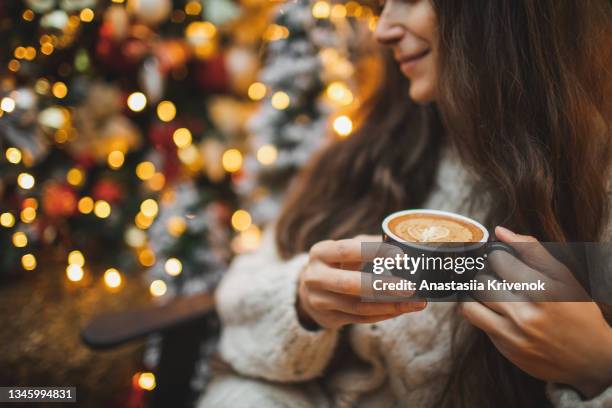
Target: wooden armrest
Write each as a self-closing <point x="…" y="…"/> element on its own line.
<point x="112" y="329"/>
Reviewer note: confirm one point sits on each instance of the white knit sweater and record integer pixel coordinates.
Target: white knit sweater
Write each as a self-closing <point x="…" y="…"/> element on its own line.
<point x="400" y="362"/>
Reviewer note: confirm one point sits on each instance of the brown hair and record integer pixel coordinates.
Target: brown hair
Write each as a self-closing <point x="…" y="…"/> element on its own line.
<point x="522" y="96"/>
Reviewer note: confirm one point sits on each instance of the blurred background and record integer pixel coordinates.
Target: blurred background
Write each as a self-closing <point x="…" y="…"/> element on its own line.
<point x="144" y="144"/>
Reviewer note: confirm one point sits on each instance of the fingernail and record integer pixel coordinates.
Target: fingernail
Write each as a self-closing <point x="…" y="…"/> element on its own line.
<point x="414" y="306"/>
<point x="504" y="230"/>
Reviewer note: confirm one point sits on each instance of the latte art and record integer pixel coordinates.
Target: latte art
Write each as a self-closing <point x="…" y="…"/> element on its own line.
<point x="417" y="227"/>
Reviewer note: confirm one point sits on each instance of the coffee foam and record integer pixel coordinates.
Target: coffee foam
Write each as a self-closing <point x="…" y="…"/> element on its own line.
<point x="426" y="227"/>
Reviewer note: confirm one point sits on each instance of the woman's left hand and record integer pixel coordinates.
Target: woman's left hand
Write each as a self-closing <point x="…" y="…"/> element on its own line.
<point x="563" y="342"/>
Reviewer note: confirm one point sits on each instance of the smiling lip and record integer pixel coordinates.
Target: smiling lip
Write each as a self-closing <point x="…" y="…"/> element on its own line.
<point x="408" y="62"/>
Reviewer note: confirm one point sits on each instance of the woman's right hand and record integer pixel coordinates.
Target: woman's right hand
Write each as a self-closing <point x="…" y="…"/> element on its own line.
<point x="329" y="291"/>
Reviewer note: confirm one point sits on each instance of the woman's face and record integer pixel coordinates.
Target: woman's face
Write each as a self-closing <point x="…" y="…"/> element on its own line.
<point x="409" y="28"/>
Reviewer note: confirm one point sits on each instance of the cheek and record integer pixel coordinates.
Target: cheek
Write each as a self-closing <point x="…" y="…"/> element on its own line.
<point x="423" y="87"/>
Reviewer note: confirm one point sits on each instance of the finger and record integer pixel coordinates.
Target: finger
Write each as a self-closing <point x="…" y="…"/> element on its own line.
<point x="349" y="250"/>
<point x="533" y="253"/>
<point x="346" y="318"/>
<point x="352" y="305"/>
<point x="485" y="318"/>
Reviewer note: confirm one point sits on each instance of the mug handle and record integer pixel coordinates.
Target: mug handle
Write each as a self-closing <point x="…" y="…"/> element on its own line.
<point x="500" y="246"/>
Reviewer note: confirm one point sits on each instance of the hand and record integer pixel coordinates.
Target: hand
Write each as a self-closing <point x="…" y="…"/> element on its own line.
<point x="329" y="291"/>
<point x="564" y="342"/>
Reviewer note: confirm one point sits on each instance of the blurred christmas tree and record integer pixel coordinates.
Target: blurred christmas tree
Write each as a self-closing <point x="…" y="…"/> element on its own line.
<point x="110" y="113"/>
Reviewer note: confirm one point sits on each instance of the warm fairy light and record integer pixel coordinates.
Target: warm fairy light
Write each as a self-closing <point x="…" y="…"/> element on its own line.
<point x="28" y="261"/>
<point x="135" y="237"/>
<point x="28" y="15"/>
<point x="76" y="258"/>
<point x="30" y="53"/>
<point x="86" y="205"/>
<point x="145" y="170"/>
<point x="112" y="278"/>
<point x="25" y="181"/>
<point x="28" y="215"/>
<point x="275" y="32"/>
<point x="176" y="225"/>
<point x="146" y="257"/>
<point x="137" y="101"/>
<point x="373" y="23"/>
<point x="173" y="267"/>
<point x="340" y="93"/>
<point x="158" y="288"/>
<point x="102" y="209"/>
<point x="193" y="8"/>
<point x="250" y="238"/>
<point x="149" y="208"/>
<point x="200" y="32"/>
<point x="7" y="104"/>
<point x="257" y="91"/>
<point x="74" y="272"/>
<point x="30" y="202"/>
<point x="280" y="100"/>
<point x="86" y="15"/>
<point x="241" y="220"/>
<point x="166" y="111"/>
<point x="118" y="1"/>
<point x="189" y="155"/>
<point x="75" y="176"/>
<point x="232" y="160"/>
<point x="267" y="154"/>
<point x="321" y="9"/>
<point x="157" y="182"/>
<point x="7" y="220"/>
<point x="14" y="65"/>
<point x="338" y="11"/>
<point x="146" y="381"/>
<point x="142" y="221"/>
<point x="343" y="125"/>
<point x="13" y="155"/>
<point x="19" y="52"/>
<point x="42" y="86"/>
<point x="59" y="90"/>
<point x="20" y="239"/>
<point x="115" y="159"/>
<point x="182" y="137"/>
<point x="47" y="48"/>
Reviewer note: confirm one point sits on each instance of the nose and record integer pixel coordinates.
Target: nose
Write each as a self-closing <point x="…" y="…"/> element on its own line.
<point x="388" y="30"/>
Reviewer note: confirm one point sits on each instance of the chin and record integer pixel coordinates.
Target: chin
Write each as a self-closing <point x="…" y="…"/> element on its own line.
<point x="422" y="93"/>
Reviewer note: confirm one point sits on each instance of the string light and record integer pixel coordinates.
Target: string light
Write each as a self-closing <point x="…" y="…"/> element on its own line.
<point x="86" y="15"/>
<point x="112" y="278"/>
<point x="146" y="381"/>
<point x="146" y="257"/>
<point x="158" y="288"/>
<point x="321" y="9"/>
<point x="25" y="181"/>
<point x="166" y="111"/>
<point x="149" y="208"/>
<point x="20" y="239"/>
<point x="267" y="154"/>
<point x="241" y="220"/>
<point x="7" y="104"/>
<point x="76" y="258"/>
<point x="193" y="8"/>
<point x="231" y="160"/>
<point x="182" y="137"/>
<point x="145" y="170"/>
<point x="173" y="267"/>
<point x="28" y="261"/>
<point x="59" y="90"/>
<point x="142" y="221"/>
<point x="28" y="15"/>
<point x="340" y="93"/>
<point x="115" y="159"/>
<point x="86" y="205"/>
<point x="102" y="209"/>
<point x="338" y="11"/>
<point x="30" y="53"/>
<point x="13" y="155"/>
<point x="280" y="100"/>
<point x="7" y="220"/>
<point x="257" y="91"/>
<point x="176" y="225"/>
<point x="28" y="215"/>
<point x="157" y="182"/>
<point x="14" y="65"/>
<point x="30" y="202"/>
<point x="137" y="101"/>
<point x="75" y="176"/>
<point x="74" y="273"/>
<point x="343" y="125"/>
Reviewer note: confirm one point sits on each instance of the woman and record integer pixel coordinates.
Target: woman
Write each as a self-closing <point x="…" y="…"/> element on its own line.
<point x="506" y="121"/>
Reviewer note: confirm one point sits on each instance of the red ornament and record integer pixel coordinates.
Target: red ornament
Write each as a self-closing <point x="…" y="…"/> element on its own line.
<point x="212" y="75"/>
<point x="59" y="200"/>
<point x="107" y="190"/>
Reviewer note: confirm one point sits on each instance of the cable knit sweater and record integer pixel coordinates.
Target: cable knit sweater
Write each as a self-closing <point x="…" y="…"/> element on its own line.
<point x="277" y="363"/>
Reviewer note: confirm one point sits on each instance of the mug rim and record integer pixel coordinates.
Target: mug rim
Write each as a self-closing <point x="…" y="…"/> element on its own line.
<point x="396" y="238"/>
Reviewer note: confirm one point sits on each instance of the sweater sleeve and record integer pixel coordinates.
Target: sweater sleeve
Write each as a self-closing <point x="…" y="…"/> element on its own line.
<point x="565" y="397"/>
<point x="261" y="335"/>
